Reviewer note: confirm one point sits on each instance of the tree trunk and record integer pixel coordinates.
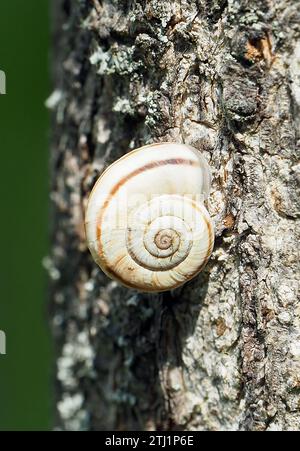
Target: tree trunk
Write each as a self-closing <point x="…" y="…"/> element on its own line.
<point x="223" y="352"/>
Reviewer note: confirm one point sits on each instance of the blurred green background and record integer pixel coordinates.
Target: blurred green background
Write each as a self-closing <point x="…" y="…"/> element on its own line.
<point x="25" y="372"/>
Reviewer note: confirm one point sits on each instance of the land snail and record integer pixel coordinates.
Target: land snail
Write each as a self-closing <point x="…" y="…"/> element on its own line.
<point x="146" y="223"/>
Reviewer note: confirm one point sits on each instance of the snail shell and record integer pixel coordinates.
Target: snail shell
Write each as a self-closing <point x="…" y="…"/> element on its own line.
<point x="146" y="224"/>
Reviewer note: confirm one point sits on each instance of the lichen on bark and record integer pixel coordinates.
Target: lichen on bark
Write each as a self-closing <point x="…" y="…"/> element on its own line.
<point x="223" y="352"/>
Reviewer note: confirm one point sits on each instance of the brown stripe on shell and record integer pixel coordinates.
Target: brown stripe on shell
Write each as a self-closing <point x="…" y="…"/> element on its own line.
<point x="108" y="270"/>
<point x="147" y="167"/>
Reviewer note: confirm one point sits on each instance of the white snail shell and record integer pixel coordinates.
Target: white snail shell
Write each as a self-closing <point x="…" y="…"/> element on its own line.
<point x="146" y="224"/>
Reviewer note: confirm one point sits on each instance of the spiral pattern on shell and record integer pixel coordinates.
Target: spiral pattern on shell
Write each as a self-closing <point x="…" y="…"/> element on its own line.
<point x="146" y="223"/>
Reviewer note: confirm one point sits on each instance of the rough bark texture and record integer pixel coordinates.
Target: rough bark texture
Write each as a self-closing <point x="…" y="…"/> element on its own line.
<point x="223" y="352"/>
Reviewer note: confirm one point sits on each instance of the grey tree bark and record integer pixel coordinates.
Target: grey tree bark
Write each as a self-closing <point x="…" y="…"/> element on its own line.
<point x="223" y="352"/>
